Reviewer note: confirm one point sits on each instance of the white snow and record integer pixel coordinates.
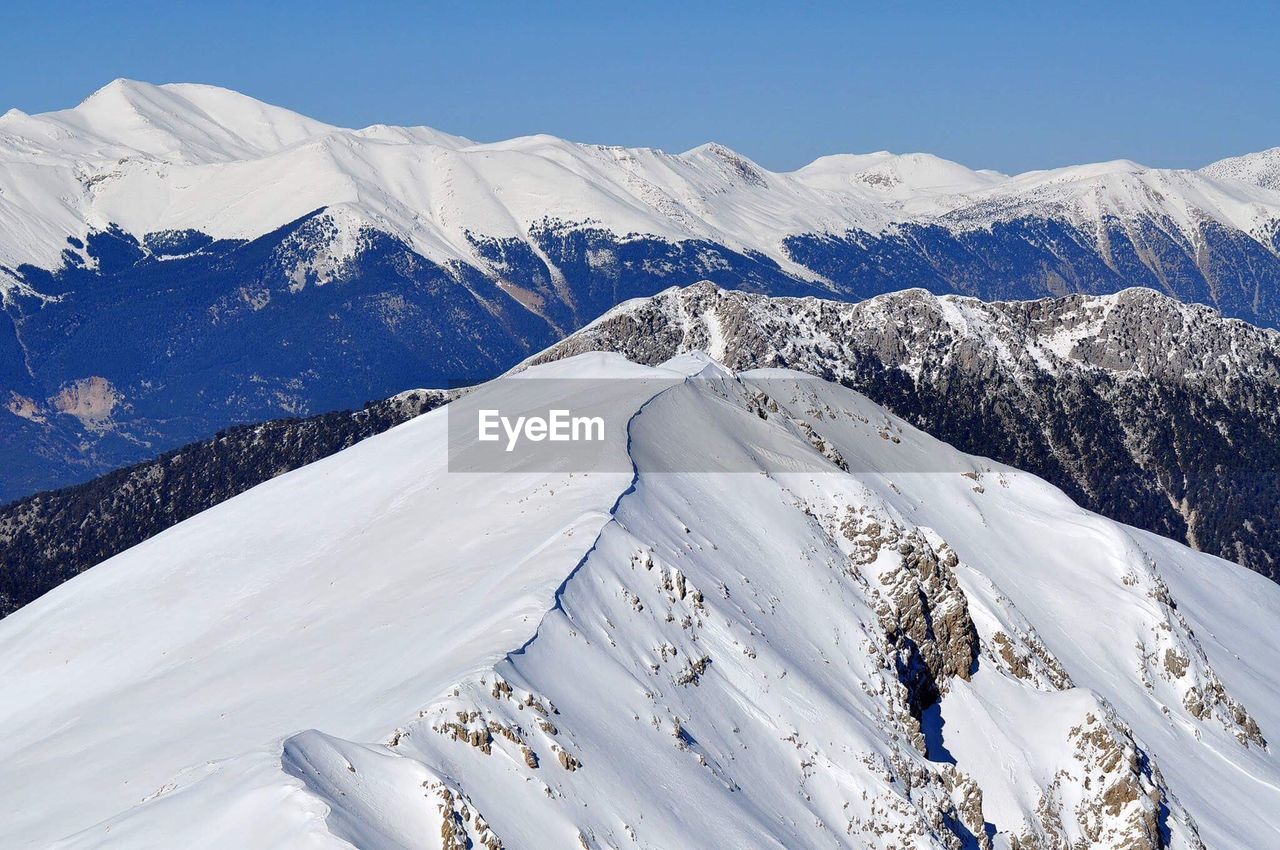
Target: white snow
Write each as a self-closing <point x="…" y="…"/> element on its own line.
<point x="1259" y="169"/>
<point x="281" y="671"/>
<point x="151" y="158"/>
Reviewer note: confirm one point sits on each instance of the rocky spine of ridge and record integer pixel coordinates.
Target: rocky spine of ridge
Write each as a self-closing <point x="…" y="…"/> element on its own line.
<point x="1159" y="414"/>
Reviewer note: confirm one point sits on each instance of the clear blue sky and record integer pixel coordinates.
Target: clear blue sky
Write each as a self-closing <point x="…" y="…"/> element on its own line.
<point x="1005" y="86"/>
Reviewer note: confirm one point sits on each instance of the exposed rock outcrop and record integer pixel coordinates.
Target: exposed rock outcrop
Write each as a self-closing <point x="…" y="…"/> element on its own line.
<point x="1160" y="414"/>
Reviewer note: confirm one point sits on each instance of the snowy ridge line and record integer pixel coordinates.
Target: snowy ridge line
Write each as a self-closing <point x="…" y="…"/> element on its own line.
<point x="870" y="660"/>
<point x="177" y="157"/>
<point x="480" y="703"/>
<point x="557" y="597"/>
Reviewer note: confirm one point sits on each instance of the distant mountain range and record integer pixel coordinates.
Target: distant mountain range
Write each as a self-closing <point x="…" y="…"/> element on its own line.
<point x="175" y="259"/>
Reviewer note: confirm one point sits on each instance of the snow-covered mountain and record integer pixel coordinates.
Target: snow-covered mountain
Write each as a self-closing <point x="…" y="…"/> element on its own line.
<point x="1258" y="169"/>
<point x="1160" y="414"/>
<point x="175" y="259"/>
<point x="860" y="638"/>
<point x="183" y="157"/>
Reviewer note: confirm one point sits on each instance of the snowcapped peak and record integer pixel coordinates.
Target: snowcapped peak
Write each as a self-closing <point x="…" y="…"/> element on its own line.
<point x="1260" y="169"/>
<point x="181" y="123"/>
<point x="121" y="88"/>
<point x="715" y="149"/>
<point x="413" y="136"/>
<point x="900" y="176"/>
<point x="1109" y="166"/>
<point x="736" y="167"/>
<point x="530" y="142"/>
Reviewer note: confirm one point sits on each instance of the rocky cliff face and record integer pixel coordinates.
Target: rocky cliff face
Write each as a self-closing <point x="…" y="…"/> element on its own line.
<point x="1160" y="414"/>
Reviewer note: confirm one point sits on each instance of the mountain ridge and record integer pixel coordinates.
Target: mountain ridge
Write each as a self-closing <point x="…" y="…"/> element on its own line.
<point x="1151" y="411"/>
<point x="176" y="260"/>
<point x="793" y="656"/>
<point x="206" y="125"/>
<point x="1076" y="389"/>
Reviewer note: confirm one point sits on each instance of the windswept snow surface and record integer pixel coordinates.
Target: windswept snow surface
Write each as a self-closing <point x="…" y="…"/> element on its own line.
<point x="863" y="638"/>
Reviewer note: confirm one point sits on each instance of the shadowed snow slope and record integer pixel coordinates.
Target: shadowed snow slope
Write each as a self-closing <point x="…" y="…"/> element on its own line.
<point x="863" y="639"/>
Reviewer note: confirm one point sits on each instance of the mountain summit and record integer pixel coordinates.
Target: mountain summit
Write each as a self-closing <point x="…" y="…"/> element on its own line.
<point x="176" y="123"/>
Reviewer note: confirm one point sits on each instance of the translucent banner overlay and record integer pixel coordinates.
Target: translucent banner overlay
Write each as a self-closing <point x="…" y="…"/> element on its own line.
<point x="752" y="423"/>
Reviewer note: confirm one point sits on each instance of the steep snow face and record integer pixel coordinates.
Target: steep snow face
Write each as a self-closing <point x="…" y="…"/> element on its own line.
<point x="864" y="638"/>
